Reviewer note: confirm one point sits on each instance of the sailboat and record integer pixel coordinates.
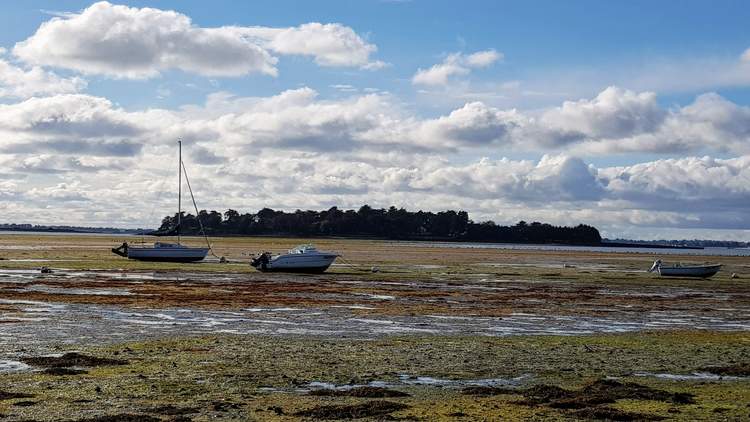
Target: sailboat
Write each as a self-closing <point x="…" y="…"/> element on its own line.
<point x="162" y="251"/>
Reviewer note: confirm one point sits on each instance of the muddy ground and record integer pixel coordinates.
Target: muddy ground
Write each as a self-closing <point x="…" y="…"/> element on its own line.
<point x="432" y="333"/>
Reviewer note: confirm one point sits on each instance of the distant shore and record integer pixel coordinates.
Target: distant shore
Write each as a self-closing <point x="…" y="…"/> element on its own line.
<point x="136" y="232"/>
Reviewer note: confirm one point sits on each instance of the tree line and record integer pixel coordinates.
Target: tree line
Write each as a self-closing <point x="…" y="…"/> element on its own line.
<point x="392" y="223"/>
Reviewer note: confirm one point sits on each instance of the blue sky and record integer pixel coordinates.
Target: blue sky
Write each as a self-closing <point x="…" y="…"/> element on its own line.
<point x="625" y="115"/>
<point x="537" y="38"/>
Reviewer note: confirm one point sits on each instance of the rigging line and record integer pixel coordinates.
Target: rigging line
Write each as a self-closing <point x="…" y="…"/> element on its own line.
<point x="197" y="215"/>
<point x="159" y="194"/>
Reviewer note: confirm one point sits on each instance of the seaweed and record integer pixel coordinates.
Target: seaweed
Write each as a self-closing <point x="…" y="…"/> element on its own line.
<point x="5" y="395"/>
<point x="610" y="414"/>
<point x="365" y="392"/>
<point x="172" y="410"/>
<point x="737" y="370"/>
<point x="71" y="359"/>
<point x="125" y="417"/>
<point x="601" y="391"/>
<point x="353" y="411"/>
<point x="484" y="390"/>
<point x="61" y="371"/>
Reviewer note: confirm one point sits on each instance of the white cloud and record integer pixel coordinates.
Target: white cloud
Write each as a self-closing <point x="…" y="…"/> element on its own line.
<point x="18" y="82"/>
<point x="483" y="58"/>
<point x="343" y="87"/>
<point x="745" y="57"/>
<point x="295" y="150"/>
<point x="129" y="42"/>
<point x="614" y="113"/>
<point x="72" y="124"/>
<point x="330" y="44"/>
<point x="474" y="124"/>
<point x="710" y="123"/>
<point x="615" y="121"/>
<point x="455" y="64"/>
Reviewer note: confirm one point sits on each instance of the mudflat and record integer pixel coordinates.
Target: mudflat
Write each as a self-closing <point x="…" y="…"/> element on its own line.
<point x="393" y="330"/>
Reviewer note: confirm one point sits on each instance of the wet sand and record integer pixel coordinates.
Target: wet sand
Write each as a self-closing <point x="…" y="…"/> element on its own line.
<point x="452" y="299"/>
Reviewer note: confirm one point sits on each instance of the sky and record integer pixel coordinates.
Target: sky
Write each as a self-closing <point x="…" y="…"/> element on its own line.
<point x="631" y="116"/>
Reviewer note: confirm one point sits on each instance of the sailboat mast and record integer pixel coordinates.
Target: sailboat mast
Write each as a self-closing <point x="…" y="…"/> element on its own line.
<point x="179" y="190"/>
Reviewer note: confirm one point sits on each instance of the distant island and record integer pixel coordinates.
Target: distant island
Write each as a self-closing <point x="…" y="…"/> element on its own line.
<point x="400" y="224"/>
<point x="367" y="222"/>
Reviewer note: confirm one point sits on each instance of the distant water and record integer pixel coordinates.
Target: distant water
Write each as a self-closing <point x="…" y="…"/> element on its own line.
<point x="524" y="246"/>
<point x="46" y="233"/>
<point x="479" y="245"/>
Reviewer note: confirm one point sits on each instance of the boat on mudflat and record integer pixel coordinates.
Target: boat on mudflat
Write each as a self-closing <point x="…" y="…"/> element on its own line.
<point x="162" y="252"/>
<point x="677" y="270"/>
<point x="302" y="259"/>
<point x="169" y="252"/>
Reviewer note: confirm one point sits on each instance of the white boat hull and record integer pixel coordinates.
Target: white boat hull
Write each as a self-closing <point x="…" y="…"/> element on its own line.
<point x="301" y="261"/>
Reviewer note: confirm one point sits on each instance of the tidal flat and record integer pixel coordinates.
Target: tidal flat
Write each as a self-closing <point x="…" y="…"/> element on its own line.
<point x="394" y="331"/>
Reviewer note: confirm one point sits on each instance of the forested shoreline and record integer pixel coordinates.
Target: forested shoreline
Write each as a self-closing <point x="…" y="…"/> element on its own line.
<point x="392" y="223"/>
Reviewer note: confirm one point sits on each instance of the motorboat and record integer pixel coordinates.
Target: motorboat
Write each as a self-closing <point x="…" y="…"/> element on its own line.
<point x="169" y="252"/>
<point x="302" y="259"/>
<point x="677" y="270"/>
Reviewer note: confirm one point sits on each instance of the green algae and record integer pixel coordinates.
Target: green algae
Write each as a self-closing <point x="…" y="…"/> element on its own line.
<point x="242" y="377"/>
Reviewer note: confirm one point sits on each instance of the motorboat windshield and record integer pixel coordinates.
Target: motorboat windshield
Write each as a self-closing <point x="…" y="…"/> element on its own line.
<point x="303" y="249"/>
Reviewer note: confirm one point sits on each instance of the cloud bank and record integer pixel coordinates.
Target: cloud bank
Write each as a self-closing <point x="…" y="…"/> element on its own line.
<point x="296" y="150"/>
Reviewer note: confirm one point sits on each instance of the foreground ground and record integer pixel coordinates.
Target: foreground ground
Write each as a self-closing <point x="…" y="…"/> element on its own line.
<point x="433" y="333"/>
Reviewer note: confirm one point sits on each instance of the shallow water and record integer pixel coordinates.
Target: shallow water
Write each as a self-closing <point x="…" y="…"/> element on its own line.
<point x="695" y="376"/>
<point x="12" y="366"/>
<point x="41" y="326"/>
<point x="451" y="307"/>
<point x="411" y="380"/>
<point x="524" y="246"/>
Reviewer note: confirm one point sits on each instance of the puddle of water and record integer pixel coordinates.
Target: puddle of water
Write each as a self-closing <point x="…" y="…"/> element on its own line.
<point x="272" y="309"/>
<point x="354" y="307"/>
<point x="409" y="380"/>
<point x="695" y="376"/>
<point x="376" y="297"/>
<point x="12" y="366"/>
<point x="488" y="382"/>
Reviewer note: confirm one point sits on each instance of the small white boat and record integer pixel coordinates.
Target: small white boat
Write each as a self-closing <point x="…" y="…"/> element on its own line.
<point x="168" y="252"/>
<point x="701" y="271"/>
<point x="302" y="259"/>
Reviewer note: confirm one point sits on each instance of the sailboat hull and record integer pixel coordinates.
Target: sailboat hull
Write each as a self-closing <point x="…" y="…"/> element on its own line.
<point x="161" y="254"/>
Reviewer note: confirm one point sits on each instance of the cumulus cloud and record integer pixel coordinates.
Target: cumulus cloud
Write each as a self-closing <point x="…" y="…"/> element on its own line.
<point x="329" y="44"/>
<point x="71" y="124"/>
<point x="745" y="57"/>
<point x="455" y="64"/>
<point x="614" y="113"/>
<point x="690" y="183"/>
<point x="19" y="82"/>
<point x="475" y="124"/>
<point x="710" y="123"/>
<point x="296" y="150"/>
<point x="129" y="42"/>
<point x="615" y="121"/>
